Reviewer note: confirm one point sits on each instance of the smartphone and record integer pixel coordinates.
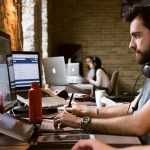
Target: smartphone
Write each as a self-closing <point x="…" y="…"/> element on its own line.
<point x="63" y="137"/>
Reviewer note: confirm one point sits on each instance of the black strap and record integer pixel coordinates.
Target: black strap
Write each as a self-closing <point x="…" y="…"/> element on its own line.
<point x="137" y="103"/>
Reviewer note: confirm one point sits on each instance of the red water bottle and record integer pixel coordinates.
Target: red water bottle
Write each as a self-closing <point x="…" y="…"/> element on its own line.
<point x="35" y="103"/>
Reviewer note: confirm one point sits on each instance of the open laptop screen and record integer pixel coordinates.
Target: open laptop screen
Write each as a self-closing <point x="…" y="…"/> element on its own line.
<point x="55" y="70"/>
<point x="73" y="69"/>
<point x="23" y="69"/>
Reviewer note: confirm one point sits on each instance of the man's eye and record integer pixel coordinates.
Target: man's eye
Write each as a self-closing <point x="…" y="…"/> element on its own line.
<point x="136" y="36"/>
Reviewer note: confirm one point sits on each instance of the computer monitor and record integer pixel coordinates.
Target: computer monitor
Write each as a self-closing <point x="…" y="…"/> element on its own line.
<point x="23" y="69"/>
<point x="5" y="48"/>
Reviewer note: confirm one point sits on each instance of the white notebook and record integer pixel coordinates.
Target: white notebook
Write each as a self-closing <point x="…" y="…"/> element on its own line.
<point x="8" y="126"/>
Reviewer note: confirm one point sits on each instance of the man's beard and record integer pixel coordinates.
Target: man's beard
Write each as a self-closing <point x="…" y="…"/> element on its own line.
<point x="144" y="57"/>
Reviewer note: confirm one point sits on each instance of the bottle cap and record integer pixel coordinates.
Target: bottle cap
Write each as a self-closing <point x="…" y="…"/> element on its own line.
<point x="35" y="85"/>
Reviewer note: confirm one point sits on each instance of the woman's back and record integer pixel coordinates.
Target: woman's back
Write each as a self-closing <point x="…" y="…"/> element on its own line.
<point x="102" y="79"/>
<point x="97" y="75"/>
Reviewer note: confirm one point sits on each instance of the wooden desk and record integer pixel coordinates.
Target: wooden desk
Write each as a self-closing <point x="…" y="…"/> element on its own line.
<point x="118" y="141"/>
<point x="77" y="88"/>
<point x="8" y="143"/>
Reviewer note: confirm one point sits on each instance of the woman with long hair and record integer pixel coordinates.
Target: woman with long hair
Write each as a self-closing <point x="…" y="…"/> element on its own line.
<point x="100" y="78"/>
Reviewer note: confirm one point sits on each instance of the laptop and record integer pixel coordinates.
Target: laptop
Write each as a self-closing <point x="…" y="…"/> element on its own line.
<point x="56" y="75"/>
<point x="73" y="73"/>
<point x="5" y="48"/>
<point x="23" y="69"/>
<point x="73" y="69"/>
<point x="8" y="102"/>
<point x="55" y="70"/>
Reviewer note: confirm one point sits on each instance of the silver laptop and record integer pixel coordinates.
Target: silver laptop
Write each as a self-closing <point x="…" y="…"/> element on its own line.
<point x="56" y="76"/>
<point x="55" y="70"/>
<point x="8" y="102"/>
<point x="73" y="69"/>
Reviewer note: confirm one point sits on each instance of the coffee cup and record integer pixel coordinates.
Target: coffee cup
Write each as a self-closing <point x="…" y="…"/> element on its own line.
<point x="98" y="95"/>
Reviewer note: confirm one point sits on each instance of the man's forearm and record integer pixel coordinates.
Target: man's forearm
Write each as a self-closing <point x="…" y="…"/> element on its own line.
<point x="118" y="125"/>
<point x="107" y="112"/>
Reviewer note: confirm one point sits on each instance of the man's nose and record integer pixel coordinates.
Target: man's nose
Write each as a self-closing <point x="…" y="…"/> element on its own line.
<point x="132" y="44"/>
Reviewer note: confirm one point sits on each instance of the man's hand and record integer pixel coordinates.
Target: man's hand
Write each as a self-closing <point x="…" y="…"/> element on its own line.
<point x="91" y="145"/>
<point x="76" y="110"/>
<point x="66" y="119"/>
<point x="98" y="145"/>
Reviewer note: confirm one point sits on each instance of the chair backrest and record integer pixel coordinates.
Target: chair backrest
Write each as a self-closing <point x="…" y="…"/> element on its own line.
<point x="113" y="86"/>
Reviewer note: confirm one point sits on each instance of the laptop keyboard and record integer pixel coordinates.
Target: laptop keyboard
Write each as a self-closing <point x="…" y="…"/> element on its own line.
<point x="47" y="124"/>
<point x="24" y="94"/>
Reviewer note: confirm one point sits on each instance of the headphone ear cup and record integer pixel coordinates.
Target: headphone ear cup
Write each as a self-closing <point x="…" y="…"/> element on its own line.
<point x="94" y="60"/>
<point x="146" y="70"/>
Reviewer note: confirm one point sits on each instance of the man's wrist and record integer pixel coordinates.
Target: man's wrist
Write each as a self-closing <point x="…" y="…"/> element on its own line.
<point x="78" y="122"/>
<point x="84" y="123"/>
<point x="89" y="113"/>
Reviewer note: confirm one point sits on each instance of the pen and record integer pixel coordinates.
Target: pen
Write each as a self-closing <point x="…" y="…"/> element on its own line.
<point x="69" y="104"/>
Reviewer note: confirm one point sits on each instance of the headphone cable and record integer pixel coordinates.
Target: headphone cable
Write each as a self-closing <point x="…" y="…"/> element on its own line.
<point x="133" y="91"/>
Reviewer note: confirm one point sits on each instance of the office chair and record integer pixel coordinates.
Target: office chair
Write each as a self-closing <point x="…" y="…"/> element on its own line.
<point x="113" y="86"/>
<point x="113" y="90"/>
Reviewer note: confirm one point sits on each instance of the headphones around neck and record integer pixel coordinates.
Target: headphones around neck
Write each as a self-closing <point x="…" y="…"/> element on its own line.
<point x="146" y="69"/>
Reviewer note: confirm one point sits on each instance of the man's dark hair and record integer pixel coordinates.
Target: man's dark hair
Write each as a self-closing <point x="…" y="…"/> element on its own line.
<point x="142" y="12"/>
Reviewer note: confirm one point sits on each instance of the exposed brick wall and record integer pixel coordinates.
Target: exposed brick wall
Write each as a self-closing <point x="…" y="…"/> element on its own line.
<point x="34" y="25"/>
<point x="98" y="26"/>
<point x="95" y="24"/>
<point x="10" y="13"/>
<point x="9" y="22"/>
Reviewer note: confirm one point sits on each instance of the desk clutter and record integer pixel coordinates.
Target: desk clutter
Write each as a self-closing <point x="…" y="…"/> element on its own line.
<point x="28" y="113"/>
<point x="27" y="139"/>
<point x="31" y="116"/>
<point x="25" y="132"/>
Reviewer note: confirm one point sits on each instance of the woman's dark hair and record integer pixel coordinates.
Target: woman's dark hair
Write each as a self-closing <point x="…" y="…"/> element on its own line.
<point x="97" y="65"/>
<point x="96" y="62"/>
<point x="142" y="12"/>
